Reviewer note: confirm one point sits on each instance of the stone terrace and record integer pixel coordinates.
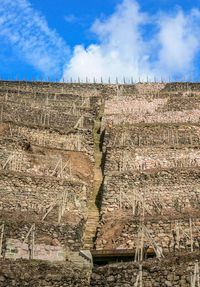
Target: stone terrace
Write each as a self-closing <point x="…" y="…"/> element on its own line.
<point x="47" y="159"/>
<point x="77" y="156"/>
<point x="151" y="166"/>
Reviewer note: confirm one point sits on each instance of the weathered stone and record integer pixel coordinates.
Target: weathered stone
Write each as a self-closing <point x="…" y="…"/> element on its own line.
<point x="49" y="152"/>
<point x="111" y="279"/>
<point x="168" y="283"/>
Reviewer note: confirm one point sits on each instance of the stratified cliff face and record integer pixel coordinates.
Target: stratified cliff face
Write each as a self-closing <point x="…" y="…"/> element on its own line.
<point x="88" y="166"/>
<point x="151" y="166"/>
<point x="46" y="161"/>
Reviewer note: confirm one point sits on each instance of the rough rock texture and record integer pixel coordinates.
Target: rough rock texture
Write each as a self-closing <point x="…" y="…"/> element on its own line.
<point x="47" y="160"/>
<point x="151" y="166"/>
<point x="74" y="156"/>
<point x="22" y="273"/>
<point x="174" y="272"/>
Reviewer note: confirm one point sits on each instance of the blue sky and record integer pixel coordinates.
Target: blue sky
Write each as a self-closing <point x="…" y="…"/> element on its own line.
<point x="100" y="38"/>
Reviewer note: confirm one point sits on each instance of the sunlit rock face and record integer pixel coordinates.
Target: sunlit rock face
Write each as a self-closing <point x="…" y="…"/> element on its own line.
<point x="84" y="165"/>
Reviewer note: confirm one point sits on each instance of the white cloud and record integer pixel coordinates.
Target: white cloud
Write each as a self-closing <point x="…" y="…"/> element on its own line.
<point x="28" y="33"/>
<point x="180" y="42"/>
<point x="123" y="50"/>
<point x="126" y="46"/>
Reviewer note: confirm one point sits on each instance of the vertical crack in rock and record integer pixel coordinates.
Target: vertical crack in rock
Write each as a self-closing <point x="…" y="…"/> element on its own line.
<point x="95" y="197"/>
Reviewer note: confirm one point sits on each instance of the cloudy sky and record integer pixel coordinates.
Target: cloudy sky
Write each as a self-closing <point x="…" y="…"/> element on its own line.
<point x="100" y="38"/>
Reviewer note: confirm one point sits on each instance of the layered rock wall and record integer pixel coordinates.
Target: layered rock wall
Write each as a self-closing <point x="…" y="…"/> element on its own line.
<point x="22" y="273"/>
<point x="151" y="165"/>
<point x="154" y="274"/>
<point x="55" y="138"/>
<point x="46" y="161"/>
